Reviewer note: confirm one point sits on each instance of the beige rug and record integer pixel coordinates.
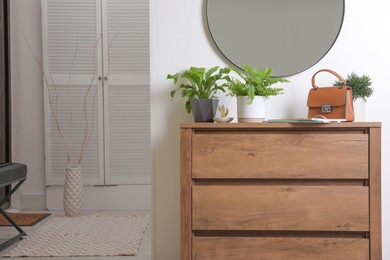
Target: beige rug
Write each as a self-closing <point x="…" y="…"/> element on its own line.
<point x="88" y="235"/>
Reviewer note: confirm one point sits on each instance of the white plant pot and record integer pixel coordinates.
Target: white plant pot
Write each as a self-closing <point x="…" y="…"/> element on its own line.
<point x="359" y="106"/>
<point x="73" y="192"/>
<point x="251" y="113"/>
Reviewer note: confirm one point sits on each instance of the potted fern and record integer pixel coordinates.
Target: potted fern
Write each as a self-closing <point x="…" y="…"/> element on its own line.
<point x="252" y="89"/>
<point x="361" y="90"/>
<point x="199" y="86"/>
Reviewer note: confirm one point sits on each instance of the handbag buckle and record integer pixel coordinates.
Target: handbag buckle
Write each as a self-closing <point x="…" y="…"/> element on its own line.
<point x="326" y="108"/>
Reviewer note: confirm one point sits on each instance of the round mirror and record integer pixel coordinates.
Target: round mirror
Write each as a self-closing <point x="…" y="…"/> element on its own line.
<point x="289" y="36"/>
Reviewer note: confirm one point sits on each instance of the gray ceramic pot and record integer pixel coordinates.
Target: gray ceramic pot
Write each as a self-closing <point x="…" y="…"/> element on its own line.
<point x="203" y="110"/>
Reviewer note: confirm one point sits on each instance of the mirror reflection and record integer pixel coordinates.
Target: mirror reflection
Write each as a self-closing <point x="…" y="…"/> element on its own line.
<point x="289" y="36"/>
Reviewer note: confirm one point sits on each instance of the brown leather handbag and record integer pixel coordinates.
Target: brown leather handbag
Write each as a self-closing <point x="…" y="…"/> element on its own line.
<point x="330" y="102"/>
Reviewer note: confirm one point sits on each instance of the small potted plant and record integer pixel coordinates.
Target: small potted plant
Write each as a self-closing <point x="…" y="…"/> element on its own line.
<point x="252" y="90"/>
<point x="361" y="90"/>
<point x="199" y="86"/>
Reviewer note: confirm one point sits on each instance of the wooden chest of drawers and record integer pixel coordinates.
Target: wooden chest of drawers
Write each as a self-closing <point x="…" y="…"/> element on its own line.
<point x="280" y="191"/>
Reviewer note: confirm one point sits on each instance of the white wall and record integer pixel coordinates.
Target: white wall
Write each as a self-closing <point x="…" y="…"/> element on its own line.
<point x="179" y="40"/>
<point x="27" y="97"/>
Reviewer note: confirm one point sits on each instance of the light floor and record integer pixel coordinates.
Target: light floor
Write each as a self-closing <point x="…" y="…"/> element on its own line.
<point x="144" y="252"/>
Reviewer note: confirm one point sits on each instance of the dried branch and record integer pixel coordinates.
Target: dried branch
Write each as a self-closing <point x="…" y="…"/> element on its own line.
<point x="69" y="77"/>
<point x="88" y="133"/>
<point x="53" y="100"/>
<point x="109" y="56"/>
<point x="53" y="111"/>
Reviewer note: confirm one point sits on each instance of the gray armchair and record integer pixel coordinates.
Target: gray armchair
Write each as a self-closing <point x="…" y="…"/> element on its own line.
<point x="11" y="173"/>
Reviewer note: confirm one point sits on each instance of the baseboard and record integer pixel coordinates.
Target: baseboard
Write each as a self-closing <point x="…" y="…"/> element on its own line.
<point x="121" y="197"/>
<point x="33" y="201"/>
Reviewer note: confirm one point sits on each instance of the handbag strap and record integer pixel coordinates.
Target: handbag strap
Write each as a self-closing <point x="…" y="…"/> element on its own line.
<point x="313" y="79"/>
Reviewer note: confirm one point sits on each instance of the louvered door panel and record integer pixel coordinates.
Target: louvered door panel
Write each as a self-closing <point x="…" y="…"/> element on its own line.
<point x="128" y="135"/>
<point x="127" y="24"/>
<point x="126" y="91"/>
<point x="72" y="123"/>
<point x="84" y="40"/>
<point x="72" y="30"/>
<point x="72" y="62"/>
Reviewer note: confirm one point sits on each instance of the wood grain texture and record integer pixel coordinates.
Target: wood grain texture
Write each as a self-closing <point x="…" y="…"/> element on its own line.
<point x="268" y="233"/>
<point x="280" y="208"/>
<point x="281" y="191"/>
<point x="238" y="248"/>
<point x="375" y="195"/>
<point x="282" y="182"/>
<point x="337" y="156"/>
<point x="281" y="126"/>
<point x="185" y="194"/>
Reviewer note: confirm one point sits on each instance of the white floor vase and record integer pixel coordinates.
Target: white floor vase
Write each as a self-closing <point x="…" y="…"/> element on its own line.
<point x="73" y="192"/>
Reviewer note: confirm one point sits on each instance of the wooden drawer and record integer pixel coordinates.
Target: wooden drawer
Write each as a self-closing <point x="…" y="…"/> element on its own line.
<point x="276" y="248"/>
<point x="259" y="155"/>
<point x="280" y="208"/>
<point x="281" y="191"/>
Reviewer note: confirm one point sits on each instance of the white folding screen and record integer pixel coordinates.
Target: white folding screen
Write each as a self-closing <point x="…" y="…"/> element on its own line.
<point x="98" y="47"/>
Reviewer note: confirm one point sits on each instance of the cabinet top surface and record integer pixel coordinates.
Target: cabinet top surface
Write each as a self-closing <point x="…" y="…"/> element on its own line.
<point x="280" y="125"/>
